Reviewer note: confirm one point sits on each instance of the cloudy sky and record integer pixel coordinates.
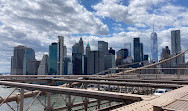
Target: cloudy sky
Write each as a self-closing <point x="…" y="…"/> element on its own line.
<point x="37" y="23"/>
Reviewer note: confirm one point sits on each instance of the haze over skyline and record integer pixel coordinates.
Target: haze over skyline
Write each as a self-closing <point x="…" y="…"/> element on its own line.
<point x="38" y="23"/>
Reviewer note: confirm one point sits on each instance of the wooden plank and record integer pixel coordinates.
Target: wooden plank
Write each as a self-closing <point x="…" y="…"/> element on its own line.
<point x="159" y="101"/>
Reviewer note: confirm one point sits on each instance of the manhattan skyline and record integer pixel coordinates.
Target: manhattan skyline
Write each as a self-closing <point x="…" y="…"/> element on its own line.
<point x="117" y="22"/>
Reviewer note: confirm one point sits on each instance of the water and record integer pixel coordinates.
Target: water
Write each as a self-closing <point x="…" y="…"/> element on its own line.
<point x="37" y="106"/>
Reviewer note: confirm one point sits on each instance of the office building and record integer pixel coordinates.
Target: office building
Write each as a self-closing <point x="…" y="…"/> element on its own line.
<point x="154" y="47"/>
<point x="78" y="58"/>
<point x="28" y="56"/>
<point x="65" y="51"/>
<point x="77" y="61"/>
<point x="95" y="62"/>
<point x="145" y="57"/>
<point x="60" y="55"/>
<point x="52" y="59"/>
<point x="103" y="47"/>
<point x="81" y="48"/>
<point x="43" y="67"/>
<point x="88" y="49"/>
<point x="85" y="64"/>
<point x="33" y="67"/>
<point x="128" y="46"/>
<point x="67" y="66"/>
<point x="109" y="61"/>
<point x="142" y="51"/>
<point x="176" y="47"/>
<point x="121" y="55"/>
<point x="20" y="60"/>
<point x="165" y="54"/>
<point x="17" y="60"/>
<point x="111" y="51"/>
<point x="137" y="50"/>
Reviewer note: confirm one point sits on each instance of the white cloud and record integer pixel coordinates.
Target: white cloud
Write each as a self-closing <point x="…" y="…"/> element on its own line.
<point x="37" y="23"/>
<point x="142" y="13"/>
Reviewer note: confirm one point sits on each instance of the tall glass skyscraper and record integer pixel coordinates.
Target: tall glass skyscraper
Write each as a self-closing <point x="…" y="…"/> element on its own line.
<point x="142" y="51"/>
<point x="20" y="62"/>
<point x="111" y="51"/>
<point x="17" y="60"/>
<point x="137" y="50"/>
<point x="95" y="62"/>
<point x="103" y="47"/>
<point x="109" y="61"/>
<point x="52" y="60"/>
<point x="128" y="46"/>
<point x="60" y="55"/>
<point x="122" y="54"/>
<point x="154" y="47"/>
<point x="176" y="47"/>
<point x="28" y="56"/>
<point x="78" y="58"/>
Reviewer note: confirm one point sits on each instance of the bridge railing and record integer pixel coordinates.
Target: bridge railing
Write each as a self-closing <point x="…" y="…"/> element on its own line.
<point x="149" y="73"/>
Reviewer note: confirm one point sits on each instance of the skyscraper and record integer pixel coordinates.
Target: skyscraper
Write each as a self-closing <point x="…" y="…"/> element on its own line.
<point x="87" y="50"/>
<point x="145" y="57"/>
<point x="142" y="51"/>
<point x="165" y="54"/>
<point x="137" y="50"/>
<point x="154" y="47"/>
<point x="52" y="59"/>
<point x="67" y="66"/>
<point x="128" y="46"/>
<point x="78" y="58"/>
<point x="28" y="56"/>
<point x="77" y="63"/>
<point x="33" y="67"/>
<point x="81" y="48"/>
<point x="95" y="62"/>
<point x="64" y="51"/>
<point x="43" y="67"/>
<point x="60" y="55"/>
<point x="103" y="47"/>
<point x="111" y="51"/>
<point x="17" y="60"/>
<point x="176" y="47"/>
<point x="21" y="59"/>
<point x="121" y="55"/>
<point x="109" y="61"/>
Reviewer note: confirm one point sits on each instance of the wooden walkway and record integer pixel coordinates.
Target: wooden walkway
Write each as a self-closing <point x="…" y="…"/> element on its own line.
<point x="173" y="100"/>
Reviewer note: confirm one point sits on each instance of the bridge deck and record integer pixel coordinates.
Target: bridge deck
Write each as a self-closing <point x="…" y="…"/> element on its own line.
<point x="168" y="101"/>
